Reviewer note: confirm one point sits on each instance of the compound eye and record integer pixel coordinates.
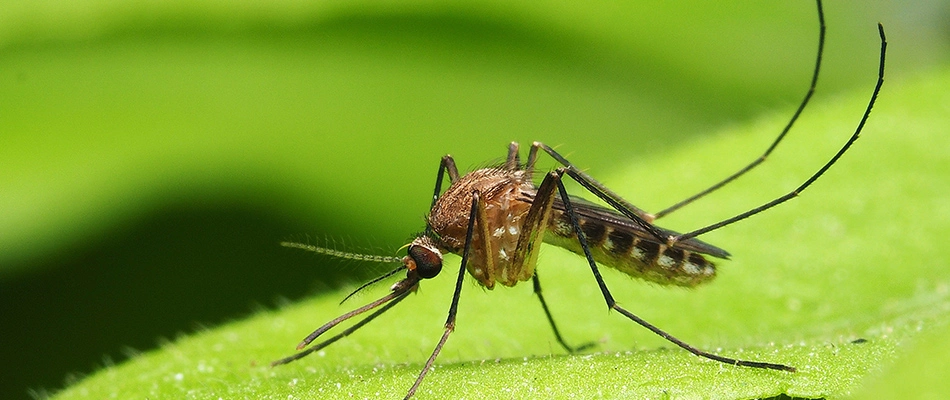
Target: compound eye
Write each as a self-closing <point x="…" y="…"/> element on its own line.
<point x="428" y="261"/>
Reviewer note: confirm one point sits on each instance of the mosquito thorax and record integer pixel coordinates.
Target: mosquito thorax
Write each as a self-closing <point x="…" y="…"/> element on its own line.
<point x="424" y="258"/>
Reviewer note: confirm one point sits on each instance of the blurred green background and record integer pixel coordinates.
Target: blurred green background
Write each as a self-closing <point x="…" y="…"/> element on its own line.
<point x="154" y="153"/>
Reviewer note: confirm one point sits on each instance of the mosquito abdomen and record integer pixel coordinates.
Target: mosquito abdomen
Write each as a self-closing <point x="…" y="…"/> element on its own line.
<point x="632" y="254"/>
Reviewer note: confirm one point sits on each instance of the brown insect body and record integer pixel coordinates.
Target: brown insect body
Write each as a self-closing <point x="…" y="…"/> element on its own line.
<point x="635" y="253"/>
<point x="614" y="240"/>
<point x="495" y="241"/>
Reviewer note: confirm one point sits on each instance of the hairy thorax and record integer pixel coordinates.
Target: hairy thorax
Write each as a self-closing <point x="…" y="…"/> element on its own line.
<point x="505" y="197"/>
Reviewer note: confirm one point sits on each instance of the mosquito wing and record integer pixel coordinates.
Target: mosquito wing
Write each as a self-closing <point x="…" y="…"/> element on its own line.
<point x="613" y="219"/>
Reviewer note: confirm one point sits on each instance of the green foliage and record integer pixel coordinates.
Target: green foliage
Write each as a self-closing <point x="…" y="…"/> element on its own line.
<point x="337" y="114"/>
<point x="823" y="283"/>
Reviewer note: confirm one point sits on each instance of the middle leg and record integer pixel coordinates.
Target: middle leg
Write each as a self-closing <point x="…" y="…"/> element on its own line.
<point x="557" y="333"/>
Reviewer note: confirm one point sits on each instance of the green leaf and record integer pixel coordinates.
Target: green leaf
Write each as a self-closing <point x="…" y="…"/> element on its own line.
<point x="838" y="283"/>
<point x="337" y="113"/>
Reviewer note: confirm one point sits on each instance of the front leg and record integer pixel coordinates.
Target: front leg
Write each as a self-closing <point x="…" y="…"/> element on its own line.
<point x="453" y="309"/>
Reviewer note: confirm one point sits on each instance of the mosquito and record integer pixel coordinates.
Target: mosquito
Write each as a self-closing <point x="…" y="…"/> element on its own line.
<point x="496" y="219"/>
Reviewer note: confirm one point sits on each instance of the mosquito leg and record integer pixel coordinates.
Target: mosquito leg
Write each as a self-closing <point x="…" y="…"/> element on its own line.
<point x="525" y="257"/>
<point x="612" y="304"/>
<point x="788" y="126"/>
<point x="453" y="309"/>
<point x="547" y="312"/>
<point x="446" y="166"/>
<point x="532" y="158"/>
<point x="819" y="173"/>
<point x="343" y="334"/>
<point x="639" y="216"/>
<point x="487" y="273"/>
<point x="513" y="160"/>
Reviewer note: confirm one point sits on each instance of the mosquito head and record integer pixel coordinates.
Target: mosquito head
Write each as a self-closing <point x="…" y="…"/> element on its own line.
<point x="424" y="259"/>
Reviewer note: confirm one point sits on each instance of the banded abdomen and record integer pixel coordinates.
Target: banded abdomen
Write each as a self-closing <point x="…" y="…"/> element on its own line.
<point x="617" y="242"/>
